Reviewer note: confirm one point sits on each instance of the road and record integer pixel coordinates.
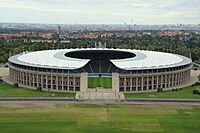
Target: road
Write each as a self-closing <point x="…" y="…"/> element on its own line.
<point x="127" y="100"/>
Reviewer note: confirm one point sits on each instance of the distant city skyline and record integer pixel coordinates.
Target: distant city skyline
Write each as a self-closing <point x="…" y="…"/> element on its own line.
<point x="147" y="12"/>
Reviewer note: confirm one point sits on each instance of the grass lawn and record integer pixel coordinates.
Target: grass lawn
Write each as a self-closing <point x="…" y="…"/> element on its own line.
<point x="7" y="90"/>
<point x="94" y="82"/>
<point x="185" y="93"/>
<point x="85" y="118"/>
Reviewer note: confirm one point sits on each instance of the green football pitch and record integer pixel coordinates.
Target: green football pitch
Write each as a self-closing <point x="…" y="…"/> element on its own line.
<point x="105" y="82"/>
<point x="85" y="118"/>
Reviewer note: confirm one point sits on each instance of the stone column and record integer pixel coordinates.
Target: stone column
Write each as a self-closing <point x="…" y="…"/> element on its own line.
<point x="189" y="76"/>
<point x="152" y="82"/>
<point x="74" y="83"/>
<point x="161" y="84"/>
<point x="136" y="84"/>
<point x="142" y="83"/>
<point x="62" y="83"/>
<point x="147" y="83"/>
<point x="22" y="78"/>
<point x="173" y="79"/>
<point x="51" y="82"/>
<point x="124" y="84"/>
<point x="29" y="75"/>
<point x="56" y="82"/>
<point x="165" y="80"/>
<point x="13" y="74"/>
<point x="26" y="79"/>
<point x="33" y="80"/>
<point x="176" y="79"/>
<point x="169" y="82"/>
<point x="115" y="82"/>
<point x="68" y="83"/>
<point x="157" y="82"/>
<point x="46" y="82"/>
<point x="84" y="82"/>
<point x="131" y="84"/>
<point x="41" y="78"/>
<point x="37" y="81"/>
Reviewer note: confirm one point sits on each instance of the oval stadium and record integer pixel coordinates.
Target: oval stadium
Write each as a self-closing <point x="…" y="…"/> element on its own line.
<point x="120" y="70"/>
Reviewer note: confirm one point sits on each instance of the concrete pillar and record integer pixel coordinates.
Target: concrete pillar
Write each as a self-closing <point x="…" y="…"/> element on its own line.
<point x="173" y="79"/>
<point x="152" y="82"/>
<point x="25" y="80"/>
<point x="22" y="77"/>
<point x="124" y="84"/>
<point x="169" y="82"/>
<point x="157" y="82"/>
<point x="14" y="76"/>
<point x="46" y="82"/>
<point x="183" y="78"/>
<point x="74" y="83"/>
<point x="29" y="75"/>
<point x="142" y="83"/>
<point x="189" y="76"/>
<point x="41" y="81"/>
<point x="165" y="80"/>
<point x="161" y="84"/>
<point x="56" y="82"/>
<point x="51" y="82"/>
<point x="131" y="84"/>
<point x="33" y="80"/>
<point x="68" y="83"/>
<point x="62" y="83"/>
<point x="136" y="84"/>
<point x="37" y="81"/>
<point x="147" y="83"/>
<point x="84" y="82"/>
<point x="115" y="82"/>
<point x="18" y="74"/>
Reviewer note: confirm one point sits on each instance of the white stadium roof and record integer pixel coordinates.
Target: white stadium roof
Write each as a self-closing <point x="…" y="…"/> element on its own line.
<point x="57" y="59"/>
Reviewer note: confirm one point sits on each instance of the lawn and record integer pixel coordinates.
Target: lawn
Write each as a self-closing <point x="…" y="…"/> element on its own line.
<point x="7" y="90"/>
<point x="186" y="92"/>
<point x="105" y="82"/>
<point x="84" y="118"/>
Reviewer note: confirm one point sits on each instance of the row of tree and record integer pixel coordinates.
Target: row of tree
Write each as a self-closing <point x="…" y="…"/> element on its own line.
<point x="176" y="44"/>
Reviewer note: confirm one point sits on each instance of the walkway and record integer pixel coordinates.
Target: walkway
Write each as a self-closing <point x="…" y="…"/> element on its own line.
<point x="100" y="94"/>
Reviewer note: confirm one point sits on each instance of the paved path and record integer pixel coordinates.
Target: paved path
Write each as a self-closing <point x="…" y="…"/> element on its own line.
<point x="100" y="94"/>
<point x="130" y="101"/>
<point x="163" y="100"/>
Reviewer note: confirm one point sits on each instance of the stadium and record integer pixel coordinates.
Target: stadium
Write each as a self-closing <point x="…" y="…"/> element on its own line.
<point x="119" y="70"/>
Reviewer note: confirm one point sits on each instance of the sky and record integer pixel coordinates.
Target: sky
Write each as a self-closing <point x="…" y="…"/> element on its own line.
<point x="148" y="12"/>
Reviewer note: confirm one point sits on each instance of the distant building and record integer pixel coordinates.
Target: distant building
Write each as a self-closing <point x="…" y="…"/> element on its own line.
<point x="65" y="41"/>
<point x="58" y="29"/>
<point x="45" y="41"/>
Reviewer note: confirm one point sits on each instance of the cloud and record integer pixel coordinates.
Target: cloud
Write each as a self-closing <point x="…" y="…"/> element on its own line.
<point x="101" y="11"/>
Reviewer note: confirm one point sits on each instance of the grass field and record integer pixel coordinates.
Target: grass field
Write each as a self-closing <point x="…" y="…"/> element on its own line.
<point x="7" y="90"/>
<point x="105" y="82"/>
<point x="84" y="118"/>
<point x="185" y="93"/>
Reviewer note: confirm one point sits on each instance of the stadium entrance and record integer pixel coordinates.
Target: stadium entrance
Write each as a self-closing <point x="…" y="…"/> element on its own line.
<point x="100" y="81"/>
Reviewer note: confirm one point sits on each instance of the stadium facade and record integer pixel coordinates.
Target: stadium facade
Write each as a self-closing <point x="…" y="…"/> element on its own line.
<point x="68" y="70"/>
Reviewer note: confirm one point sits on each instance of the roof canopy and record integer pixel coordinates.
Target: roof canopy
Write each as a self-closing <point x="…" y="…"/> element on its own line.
<point x="132" y="59"/>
